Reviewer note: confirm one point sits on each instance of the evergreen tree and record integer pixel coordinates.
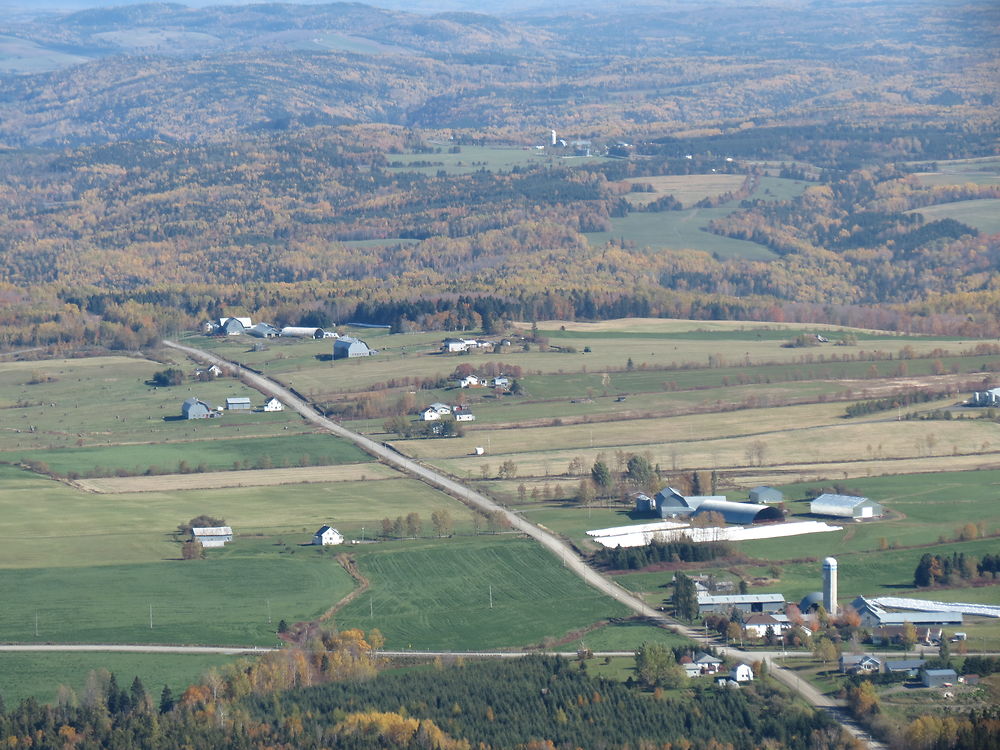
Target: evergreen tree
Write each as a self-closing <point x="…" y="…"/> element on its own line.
<point x="166" y="700"/>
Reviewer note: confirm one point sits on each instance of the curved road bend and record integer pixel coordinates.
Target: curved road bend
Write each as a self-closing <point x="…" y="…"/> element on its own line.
<point x="555" y="545"/>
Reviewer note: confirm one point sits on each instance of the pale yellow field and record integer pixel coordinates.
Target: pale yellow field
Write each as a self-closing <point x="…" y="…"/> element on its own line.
<point x="688" y="189"/>
<point x="878" y="443"/>
<point x="670" y="325"/>
<point x="253" y="478"/>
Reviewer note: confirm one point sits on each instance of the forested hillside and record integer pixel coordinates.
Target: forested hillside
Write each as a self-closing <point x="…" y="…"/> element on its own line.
<point x="338" y="162"/>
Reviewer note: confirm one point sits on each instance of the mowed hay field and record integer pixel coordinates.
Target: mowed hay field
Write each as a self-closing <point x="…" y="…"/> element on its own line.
<point x="256" y="478"/>
<point x="688" y="189"/>
<point x="436" y="595"/>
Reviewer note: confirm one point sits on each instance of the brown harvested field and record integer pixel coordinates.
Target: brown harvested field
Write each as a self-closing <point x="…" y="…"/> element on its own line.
<point x="688" y="189"/>
<point x="253" y="478"/>
<point x="674" y="325"/>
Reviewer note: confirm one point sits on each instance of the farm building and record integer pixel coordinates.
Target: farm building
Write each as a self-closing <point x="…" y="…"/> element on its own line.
<point x="845" y="506"/>
<point x="264" y="331"/>
<point x="327" y="535"/>
<point x="348" y="348"/>
<point x="501" y="381"/>
<point x="766" y="495"/>
<point x="272" y="404"/>
<point x="990" y="397"/>
<point x="874" y="616"/>
<point x="232" y="327"/>
<point x="741" y="514"/>
<point x="207" y="373"/>
<point x="195" y="409"/>
<point x="939" y="678"/>
<point x="238" y="403"/>
<point x="454" y="345"/>
<point x="430" y="414"/>
<point x="464" y="415"/>
<point x="671" y="503"/>
<point x="644" y="503"/>
<point x="300" y="332"/>
<point x="212" y="536"/>
<point x="469" y="381"/>
<point x="746" y="603"/>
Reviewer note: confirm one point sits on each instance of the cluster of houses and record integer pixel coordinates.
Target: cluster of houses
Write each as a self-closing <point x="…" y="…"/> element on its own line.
<point x="344" y="347"/>
<point x="702" y="663"/>
<point x="912" y="669"/>
<point x="439" y="411"/>
<point x="195" y="408"/>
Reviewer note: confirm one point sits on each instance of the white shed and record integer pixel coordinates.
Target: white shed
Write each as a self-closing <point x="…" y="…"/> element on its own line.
<point x="212" y="536"/>
<point x="845" y="506"/>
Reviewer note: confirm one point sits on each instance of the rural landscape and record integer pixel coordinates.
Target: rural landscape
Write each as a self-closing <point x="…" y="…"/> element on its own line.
<point x="446" y="378"/>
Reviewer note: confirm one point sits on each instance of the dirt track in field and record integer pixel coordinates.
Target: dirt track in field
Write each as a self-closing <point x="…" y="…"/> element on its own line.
<point x="252" y="478"/>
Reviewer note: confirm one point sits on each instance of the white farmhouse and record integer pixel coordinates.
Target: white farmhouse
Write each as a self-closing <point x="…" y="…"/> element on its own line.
<point x="272" y="404"/>
<point x="327" y="535"/>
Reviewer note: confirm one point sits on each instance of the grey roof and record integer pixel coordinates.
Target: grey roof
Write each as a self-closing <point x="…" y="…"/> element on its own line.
<point x="839" y="501"/>
<point x="898" y="665"/>
<point x="940" y="672"/>
<point x="920" y="618"/>
<point x="237" y="400"/>
<point x="815" y="599"/>
<point x="739" y="598"/>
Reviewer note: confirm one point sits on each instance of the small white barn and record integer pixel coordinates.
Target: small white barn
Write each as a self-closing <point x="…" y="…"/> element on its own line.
<point x="327" y="535"/>
<point x="272" y="404"/>
<point x="741" y="673"/>
<point x="845" y="506"/>
<point x="212" y="536"/>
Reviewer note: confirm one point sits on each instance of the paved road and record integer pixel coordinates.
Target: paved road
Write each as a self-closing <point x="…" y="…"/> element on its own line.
<point x="558" y="547"/>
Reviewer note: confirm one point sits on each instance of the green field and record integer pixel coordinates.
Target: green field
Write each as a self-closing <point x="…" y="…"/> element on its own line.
<point x="224" y="600"/>
<point x="39" y="675"/>
<point x="983" y="214"/>
<point x="436" y="595"/>
<point x="199" y="455"/>
<point x="626" y="636"/>
<point x="101" y="401"/>
<point x="138" y="528"/>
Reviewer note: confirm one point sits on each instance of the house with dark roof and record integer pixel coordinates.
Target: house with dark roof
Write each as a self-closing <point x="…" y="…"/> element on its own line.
<point x="327" y="535"/>
<point x="859" y="664"/>
<point x="909" y="667"/>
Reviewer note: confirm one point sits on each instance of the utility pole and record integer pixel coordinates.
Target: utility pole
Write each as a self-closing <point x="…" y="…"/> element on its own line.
<point x="491" y="596"/>
<point x="36" y="623"/>
<point x="267" y="603"/>
<point x="151" y="616"/>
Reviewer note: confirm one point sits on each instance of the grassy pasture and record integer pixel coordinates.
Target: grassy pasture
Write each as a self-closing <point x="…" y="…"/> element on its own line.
<point x="106" y="401"/>
<point x="625" y="636"/>
<point x="983" y="214"/>
<point x="24" y="56"/>
<point x="137" y="528"/>
<point x="680" y="230"/>
<point x="39" y="675"/>
<point x="223" y="600"/>
<point x="437" y="595"/>
<point x="729" y="354"/>
<point x="213" y="455"/>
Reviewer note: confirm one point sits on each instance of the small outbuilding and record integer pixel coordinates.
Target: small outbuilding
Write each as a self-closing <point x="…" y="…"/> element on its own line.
<point x="238" y="403"/>
<point x="327" y="536"/>
<point x="845" y="506"/>
<point x="194" y="408"/>
<point x="348" y="348"/>
<point x="933" y="678"/>
<point x="766" y="495"/>
<point x="212" y="536"/>
<point x="264" y="331"/>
